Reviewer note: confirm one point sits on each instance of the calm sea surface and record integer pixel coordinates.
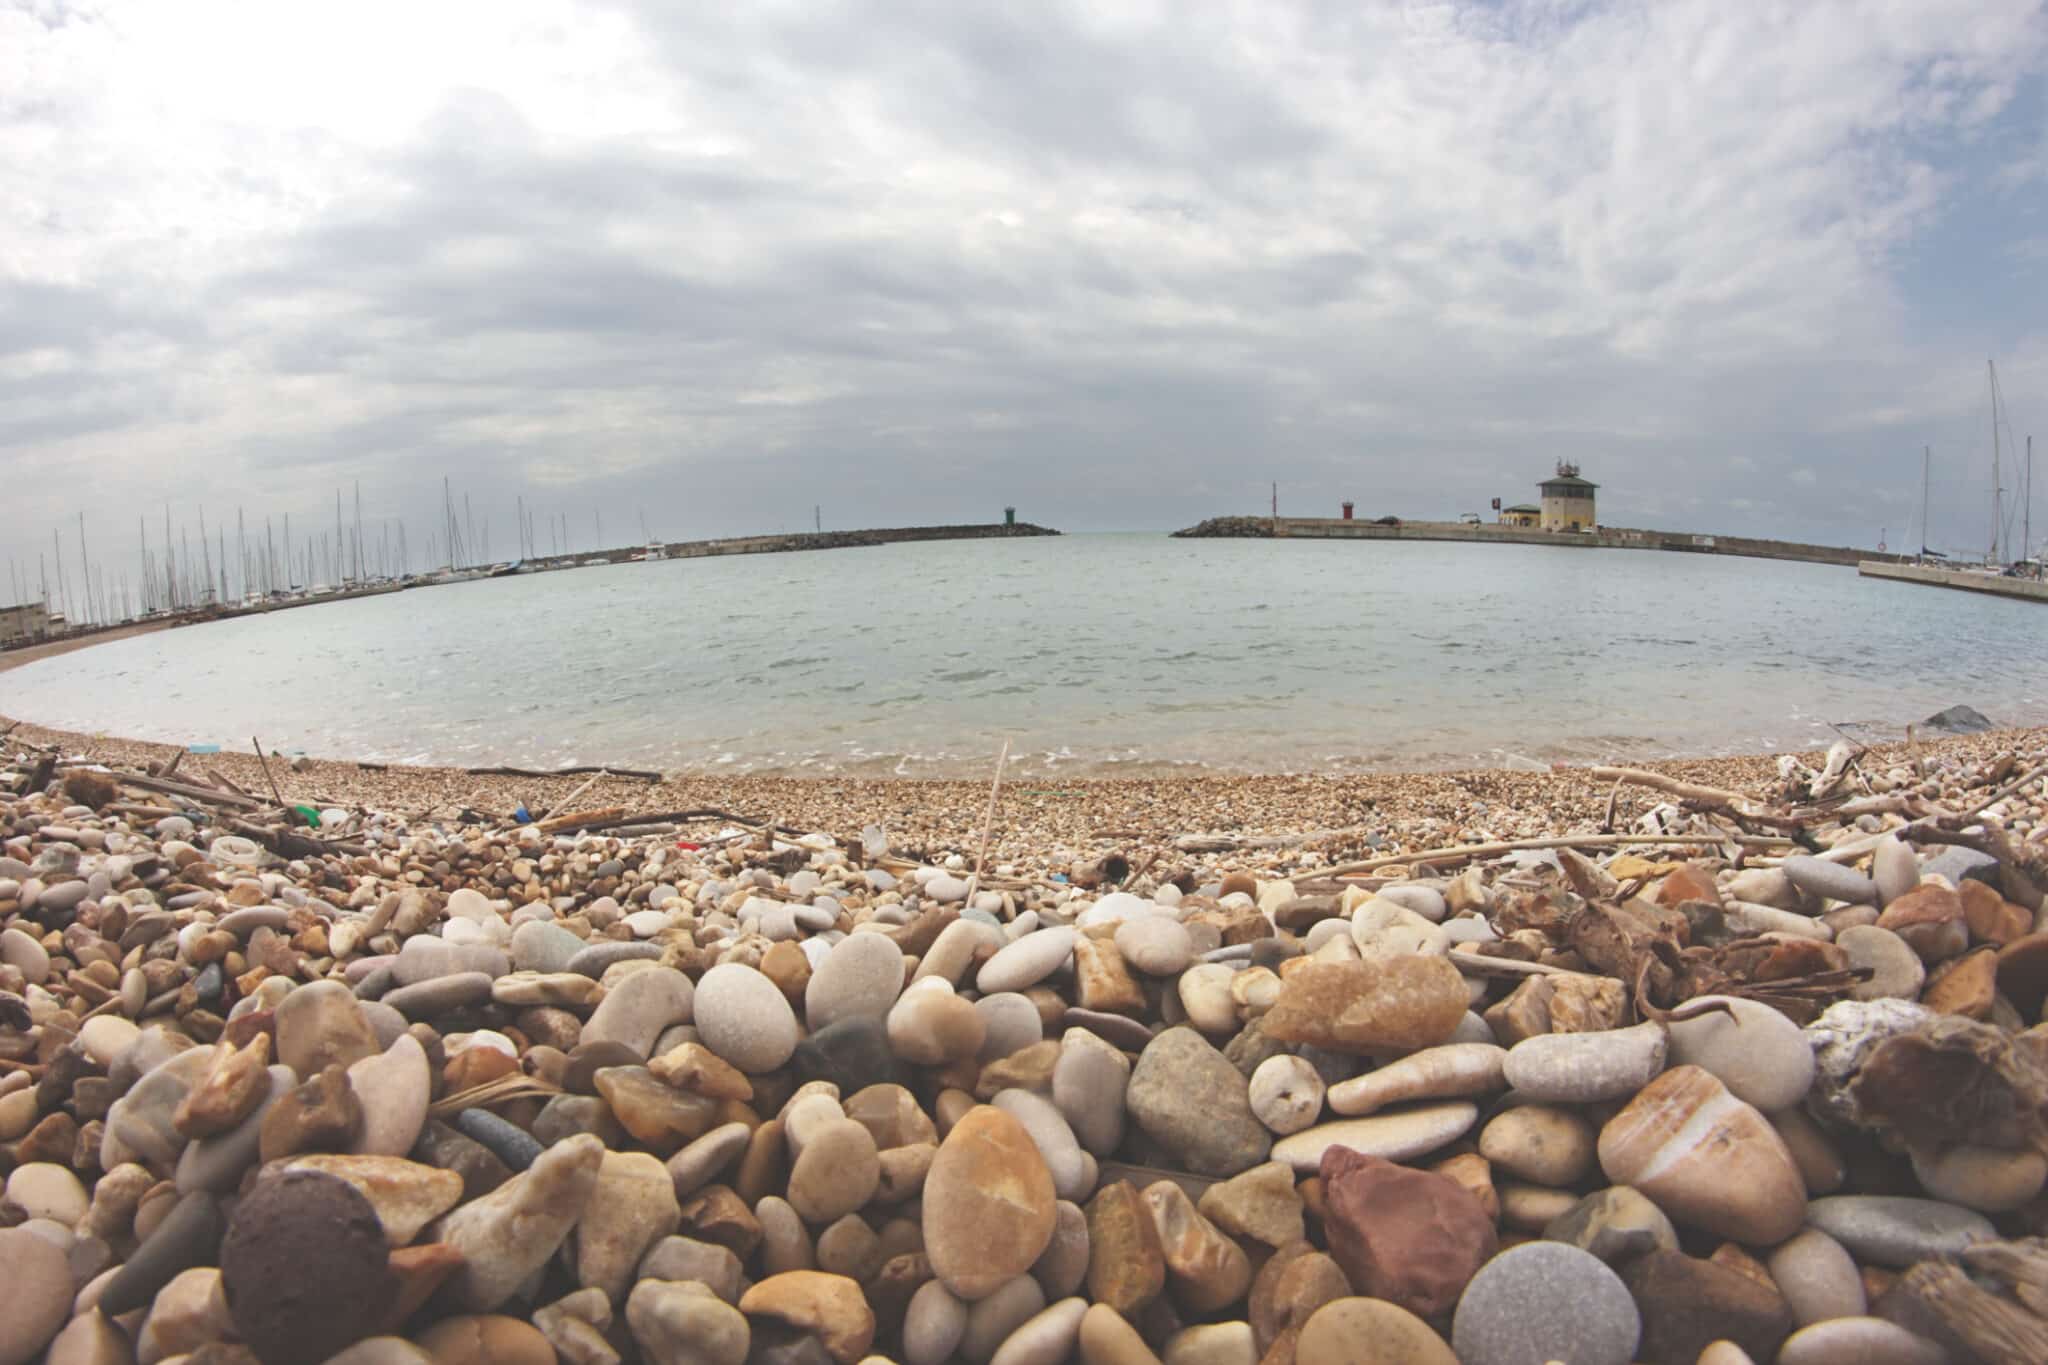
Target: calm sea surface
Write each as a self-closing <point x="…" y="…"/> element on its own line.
<point x="1091" y="654"/>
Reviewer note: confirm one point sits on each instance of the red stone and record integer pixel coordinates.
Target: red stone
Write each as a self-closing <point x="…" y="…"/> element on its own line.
<point x="1413" y="1238"/>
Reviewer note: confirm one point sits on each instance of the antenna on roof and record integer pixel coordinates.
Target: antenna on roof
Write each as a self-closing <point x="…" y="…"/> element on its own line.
<point x="1567" y="470"/>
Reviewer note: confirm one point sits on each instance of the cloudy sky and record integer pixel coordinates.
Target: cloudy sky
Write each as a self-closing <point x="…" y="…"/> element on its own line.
<point x="1119" y="264"/>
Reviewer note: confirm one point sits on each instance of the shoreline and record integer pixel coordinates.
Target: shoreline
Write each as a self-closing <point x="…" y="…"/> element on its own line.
<point x="11" y="659"/>
<point x="1053" y="819"/>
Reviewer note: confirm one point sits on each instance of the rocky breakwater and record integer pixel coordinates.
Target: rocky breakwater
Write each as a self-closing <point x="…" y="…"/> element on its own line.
<point x="465" y="1095"/>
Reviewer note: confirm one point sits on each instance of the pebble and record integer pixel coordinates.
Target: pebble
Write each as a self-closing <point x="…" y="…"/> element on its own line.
<point x="1762" y="1057"/>
<point x="1614" y="1224"/>
<point x="1545" y="1301"/>
<point x="302" y="1259"/>
<point x="1026" y="962"/>
<point x="1397" y="1002"/>
<point x="1895" y="1230"/>
<point x="1859" y="1341"/>
<point x="988" y="1204"/>
<point x="1706" y="1158"/>
<point x="1452" y="1071"/>
<point x="1413" y="1238"/>
<point x="1089" y="1084"/>
<point x="1547" y="1144"/>
<point x="507" y="1142"/>
<point x="1832" y="880"/>
<point x="1818" y="1278"/>
<point x="1396" y="1134"/>
<point x="829" y="1308"/>
<point x="860" y="978"/>
<point x="680" y="1323"/>
<point x="1157" y="945"/>
<point x="934" y="1325"/>
<point x="1580" y="1068"/>
<point x="1286" y="1093"/>
<point x="42" y="1189"/>
<point x="1895" y="869"/>
<point x="632" y="1207"/>
<point x="38" y="1279"/>
<point x="635" y="1012"/>
<point x="1987" y="1179"/>
<point x="837" y="1172"/>
<point x="510" y="1233"/>
<point x="1047" y="1338"/>
<point x="744" y="1019"/>
<point x="394" y="1089"/>
<point x="1191" y="1101"/>
<point x="1369" y="1331"/>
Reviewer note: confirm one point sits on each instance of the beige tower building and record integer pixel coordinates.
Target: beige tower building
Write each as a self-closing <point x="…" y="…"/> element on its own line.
<point x="1568" y="500"/>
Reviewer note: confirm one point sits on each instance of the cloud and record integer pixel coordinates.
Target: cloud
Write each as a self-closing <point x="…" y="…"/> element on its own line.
<point x="1122" y="265"/>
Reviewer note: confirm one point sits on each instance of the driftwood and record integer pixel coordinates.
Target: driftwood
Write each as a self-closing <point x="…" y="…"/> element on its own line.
<point x="229" y="784"/>
<point x="257" y="744"/>
<point x="212" y="795"/>
<point x="577" y="771"/>
<point x="587" y="819"/>
<point x="289" y="843"/>
<point x="570" y="799"/>
<point x="1230" y="843"/>
<point x="1467" y="852"/>
<point x="1671" y="786"/>
<point x="1990" y="1325"/>
<point x="988" y="820"/>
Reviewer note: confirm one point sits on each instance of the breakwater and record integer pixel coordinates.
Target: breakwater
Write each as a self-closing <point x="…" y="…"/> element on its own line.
<point x="2026" y="589"/>
<point x="1606" y="538"/>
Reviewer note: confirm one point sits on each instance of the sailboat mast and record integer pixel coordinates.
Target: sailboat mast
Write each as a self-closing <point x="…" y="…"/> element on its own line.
<point x="1926" y="467"/>
<point x="84" y="564"/>
<point x="1997" y="519"/>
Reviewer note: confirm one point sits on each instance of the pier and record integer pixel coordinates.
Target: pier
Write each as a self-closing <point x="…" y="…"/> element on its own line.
<point x="1966" y="580"/>
<point x="1605" y="538"/>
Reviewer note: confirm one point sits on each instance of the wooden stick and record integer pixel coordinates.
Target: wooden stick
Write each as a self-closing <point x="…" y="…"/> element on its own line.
<point x="988" y="818"/>
<point x="2007" y="790"/>
<point x="266" y="773"/>
<point x="187" y="789"/>
<point x="1671" y="786"/>
<point x="571" y="797"/>
<point x="1465" y="852"/>
<point x="224" y="783"/>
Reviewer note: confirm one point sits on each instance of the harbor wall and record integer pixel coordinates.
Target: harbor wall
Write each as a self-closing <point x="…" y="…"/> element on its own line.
<point x="1606" y="538"/>
<point x="2026" y="589"/>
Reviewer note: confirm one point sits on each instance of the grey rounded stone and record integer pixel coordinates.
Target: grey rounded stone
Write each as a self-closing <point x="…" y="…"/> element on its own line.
<point x="1579" y="1068"/>
<point x="1896" y="1231"/>
<point x="1895" y="869"/>
<point x="743" y="1017"/>
<point x="1545" y="1301"/>
<point x="1832" y="880"/>
<point x="1010" y="1023"/>
<point x="1761" y="1056"/>
<point x="1157" y="945"/>
<point x="859" y="979"/>
<point x="538" y="946"/>
<point x="1023" y="964"/>
<point x="635" y="1011"/>
<point x="1897" y="970"/>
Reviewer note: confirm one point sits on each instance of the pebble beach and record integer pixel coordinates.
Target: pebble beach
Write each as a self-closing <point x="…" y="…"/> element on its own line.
<point x="1733" y="1060"/>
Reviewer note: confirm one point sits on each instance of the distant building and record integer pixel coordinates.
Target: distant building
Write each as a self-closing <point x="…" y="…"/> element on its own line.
<point x="29" y="621"/>
<point x="1568" y="501"/>
<point x="1521" y="514"/>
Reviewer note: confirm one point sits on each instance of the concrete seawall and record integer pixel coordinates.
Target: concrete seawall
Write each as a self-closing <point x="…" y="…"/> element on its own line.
<point x="2025" y="589"/>
<point x="1607" y="538"/>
